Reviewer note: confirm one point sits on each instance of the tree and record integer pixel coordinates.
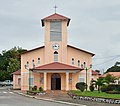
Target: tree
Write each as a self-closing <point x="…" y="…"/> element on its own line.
<point x="110" y="79"/>
<point x="99" y="83"/>
<point x="115" y="68"/>
<point x="10" y="62"/>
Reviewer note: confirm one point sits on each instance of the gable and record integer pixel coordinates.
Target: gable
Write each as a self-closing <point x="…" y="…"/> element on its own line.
<point x="80" y="50"/>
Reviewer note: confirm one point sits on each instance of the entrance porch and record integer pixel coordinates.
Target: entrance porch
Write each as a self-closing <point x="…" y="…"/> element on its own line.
<point x="56" y="76"/>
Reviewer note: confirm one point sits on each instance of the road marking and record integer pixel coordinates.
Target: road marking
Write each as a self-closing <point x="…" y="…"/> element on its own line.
<point x="4" y="92"/>
<point x="11" y="92"/>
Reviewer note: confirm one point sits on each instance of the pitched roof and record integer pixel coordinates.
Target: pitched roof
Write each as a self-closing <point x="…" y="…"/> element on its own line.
<point x="33" y="49"/>
<point x="115" y="74"/>
<point x="81" y="50"/>
<point x="56" y="66"/>
<point x="18" y="72"/>
<point x="95" y="72"/>
<point x="54" y="17"/>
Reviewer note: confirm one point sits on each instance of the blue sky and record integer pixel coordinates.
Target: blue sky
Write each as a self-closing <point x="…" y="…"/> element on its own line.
<point x="94" y="26"/>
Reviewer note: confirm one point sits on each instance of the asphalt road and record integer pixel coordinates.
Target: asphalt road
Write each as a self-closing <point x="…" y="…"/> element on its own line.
<point x="9" y="98"/>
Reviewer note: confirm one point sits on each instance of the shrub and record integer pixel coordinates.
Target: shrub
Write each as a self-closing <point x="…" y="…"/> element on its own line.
<point x="117" y="86"/>
<point x="111" y="87"/>
<point x="34" y="88"/>
<point x="104" y="88"/>
<point x="91" y="87"/>
<point x="81" y="86"/>
<point x="113" y="92"/>
<point x="40" y="89"/>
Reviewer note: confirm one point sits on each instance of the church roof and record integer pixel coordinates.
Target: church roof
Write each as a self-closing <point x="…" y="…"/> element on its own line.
<point x="67" y="46"/>
<point x="33" y="49"/>
<point x="18" y="72"/>
<point x="56" y="66"/>
<point x="80" y="49"/>
<point x="54" y="17"/>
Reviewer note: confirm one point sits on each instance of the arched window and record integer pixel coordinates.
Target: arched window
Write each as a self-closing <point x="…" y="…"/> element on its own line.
<point x="55" y="56"/>
<point x="27" y="64"/>
<point x="78" y="63"/>
<point x="33" y="64"/>
<point x="72" y="61"/>
<point x="38" y="60"/>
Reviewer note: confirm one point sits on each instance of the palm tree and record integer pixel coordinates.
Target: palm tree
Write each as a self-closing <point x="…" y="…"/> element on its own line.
<point x="98" y="83"/>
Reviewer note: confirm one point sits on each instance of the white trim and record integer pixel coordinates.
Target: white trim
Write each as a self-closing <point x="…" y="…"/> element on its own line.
<point x="25" y="72"/>
<point x="19" y="76"/>
<point x="56" y="71"/>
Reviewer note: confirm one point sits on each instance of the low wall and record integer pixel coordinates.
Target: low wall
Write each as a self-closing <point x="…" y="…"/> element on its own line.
<point x="97" y="99"/>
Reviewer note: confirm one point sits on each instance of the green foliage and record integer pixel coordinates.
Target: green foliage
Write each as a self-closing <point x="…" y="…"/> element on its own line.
<point x="110" y="79"/>
<point x="113" y="92"/>
<point x="113" y="87"/>
<point x="34" y="88"/>
<point x="40" y="89"/>
<point x="115" y="68"/>
<point x="96" y="94"/>
<point x="10" y="62"/>
<point x="99" y="83"/>
<point x="91" y="87"/>
<point x="104" y="88"/>
<point x="81" y="86"/>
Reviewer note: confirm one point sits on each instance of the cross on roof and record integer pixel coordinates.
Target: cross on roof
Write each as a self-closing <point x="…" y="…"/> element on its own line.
<point x="55" y="8"/>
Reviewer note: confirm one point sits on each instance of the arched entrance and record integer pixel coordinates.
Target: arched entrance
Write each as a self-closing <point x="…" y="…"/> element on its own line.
<point x="55" y="81"/>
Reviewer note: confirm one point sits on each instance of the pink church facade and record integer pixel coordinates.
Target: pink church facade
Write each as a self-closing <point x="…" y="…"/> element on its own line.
<point x="56" y="65"/>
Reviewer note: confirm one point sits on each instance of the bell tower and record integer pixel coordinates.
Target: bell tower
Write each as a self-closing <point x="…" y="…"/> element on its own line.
<point x="55" y="38"/>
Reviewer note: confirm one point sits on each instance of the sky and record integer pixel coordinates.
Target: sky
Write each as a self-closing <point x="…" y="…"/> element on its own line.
<point x="94" y="26"/>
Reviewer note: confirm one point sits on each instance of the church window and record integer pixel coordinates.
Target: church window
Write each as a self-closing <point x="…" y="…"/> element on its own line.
<point x="78" y="63"/>
<point x="81" y="79"/>
<point x="31" y="81"/>
<point x="27" y="64"/>
<point x="38" y="60"/>
<point x="72" y="61"/>
<point x="33" y="64"/>
<point x="55" y="56"/>
<point x="55" y="31"/>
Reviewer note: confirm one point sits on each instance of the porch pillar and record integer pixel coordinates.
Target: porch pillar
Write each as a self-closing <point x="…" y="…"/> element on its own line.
<point x="67" y="81"/>
<point x="45" y="81"/>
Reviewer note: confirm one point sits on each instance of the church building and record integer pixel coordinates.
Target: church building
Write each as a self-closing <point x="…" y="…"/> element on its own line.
<point x="56" y="65"/>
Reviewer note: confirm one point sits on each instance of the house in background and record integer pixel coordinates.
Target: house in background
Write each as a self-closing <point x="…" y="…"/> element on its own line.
<point x="56" y="65"/>
<point x="115" y="74"/>
<point x="17" y="79"/>
<point x="95" y="75"/>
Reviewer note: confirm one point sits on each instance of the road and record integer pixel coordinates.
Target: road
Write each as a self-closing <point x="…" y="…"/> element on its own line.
<point x="9" y="98"/>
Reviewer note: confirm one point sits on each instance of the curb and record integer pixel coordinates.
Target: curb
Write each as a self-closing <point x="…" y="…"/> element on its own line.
<point x="51" y="100"/>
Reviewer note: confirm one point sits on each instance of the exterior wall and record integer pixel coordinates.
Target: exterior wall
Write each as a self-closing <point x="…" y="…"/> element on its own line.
<point x="16" y="84"/>
<point x="39" y="53"/>
<point x="78" y="55"/>
<point x="83" y="57"/>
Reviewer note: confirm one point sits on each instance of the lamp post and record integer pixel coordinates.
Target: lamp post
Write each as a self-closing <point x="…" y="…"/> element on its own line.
<point x="26" y="67"/>
<point x="86" y="69"/>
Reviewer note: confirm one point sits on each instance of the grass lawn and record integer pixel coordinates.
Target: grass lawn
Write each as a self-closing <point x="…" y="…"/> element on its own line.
<point x="96" y="94"/>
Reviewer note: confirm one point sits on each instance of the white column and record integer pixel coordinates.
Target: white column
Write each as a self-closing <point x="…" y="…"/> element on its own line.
<point x="67" y="81"/>
<point x="45" y="81"/>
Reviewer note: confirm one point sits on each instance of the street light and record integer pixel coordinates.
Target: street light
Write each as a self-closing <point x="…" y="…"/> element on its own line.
<point x="27" y="67"/>
<point x="86" y="69"/>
